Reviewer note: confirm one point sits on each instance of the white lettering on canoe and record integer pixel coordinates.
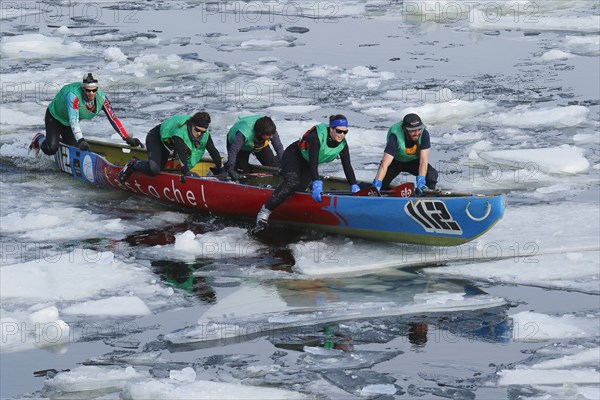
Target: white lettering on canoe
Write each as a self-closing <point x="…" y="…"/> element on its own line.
<point x="170" y="193"/>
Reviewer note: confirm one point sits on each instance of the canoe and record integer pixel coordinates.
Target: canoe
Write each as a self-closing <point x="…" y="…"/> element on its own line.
<point x="439" y="218"/>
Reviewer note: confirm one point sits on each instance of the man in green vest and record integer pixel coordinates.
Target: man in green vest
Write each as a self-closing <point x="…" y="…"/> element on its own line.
<point x="76" y="101"/>
<point x="187" y="137"/>
<point x="407" y="150"/>
<point x="252" y="135"/>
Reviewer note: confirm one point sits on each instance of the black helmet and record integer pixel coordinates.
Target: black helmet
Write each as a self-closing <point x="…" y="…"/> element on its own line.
<point x="89" y="80"/>
<point x="200" y="119"/>
<point x="412" y="122"/>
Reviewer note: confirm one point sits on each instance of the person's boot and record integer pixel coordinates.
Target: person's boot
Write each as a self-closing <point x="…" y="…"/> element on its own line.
<point x="262" y="219"/>
<point x="127" y="170"/>
<point x="35" y="143"/>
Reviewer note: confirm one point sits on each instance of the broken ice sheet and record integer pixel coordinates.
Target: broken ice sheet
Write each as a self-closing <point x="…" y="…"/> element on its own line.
<point x="119" y="357"/>
<point x="318" y="359"/>
<point x="363" y="383"/>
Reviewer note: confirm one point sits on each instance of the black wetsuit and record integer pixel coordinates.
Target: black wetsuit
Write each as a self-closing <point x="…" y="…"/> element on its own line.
<point x="158" y="153"/>
<point x="298" y="173"/>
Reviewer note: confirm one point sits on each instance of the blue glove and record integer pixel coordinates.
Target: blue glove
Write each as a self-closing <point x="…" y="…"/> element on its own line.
<point x="354" y="188"/>
<point x="377" y="184"/>
<point x="421" y="184"/>
<point x="317" y="190"/>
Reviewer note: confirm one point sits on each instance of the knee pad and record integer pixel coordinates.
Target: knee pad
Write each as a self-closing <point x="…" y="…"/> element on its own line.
<point x="49" y="149"/>
<point x="154" y="168"/>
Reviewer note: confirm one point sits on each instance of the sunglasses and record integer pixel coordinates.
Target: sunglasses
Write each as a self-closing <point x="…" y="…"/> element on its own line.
<point x="91" y="90"/>
<point x="341" y="131"/>
<point x="199" y="130"/>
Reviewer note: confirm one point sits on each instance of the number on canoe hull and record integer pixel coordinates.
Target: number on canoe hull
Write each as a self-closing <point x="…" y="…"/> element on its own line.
<point x="63" y="159"/>
<point x="433" y="216"/>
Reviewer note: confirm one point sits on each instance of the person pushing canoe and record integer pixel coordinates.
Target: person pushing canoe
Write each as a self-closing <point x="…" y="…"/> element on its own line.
<point x="74" y="102"/>
<point x="252" y="135"/>
<point x="407" y="150"/>
<point x="321" y="144"/>
<point x="188" y="137"/>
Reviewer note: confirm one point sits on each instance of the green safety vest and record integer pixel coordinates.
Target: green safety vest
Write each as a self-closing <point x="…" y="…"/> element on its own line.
<point x="326" y="153"/>
<point x="403" y="154"/>
<point x="60" y="109"/>
<point x="171" y="128"/>
<point x="245" y="125"/>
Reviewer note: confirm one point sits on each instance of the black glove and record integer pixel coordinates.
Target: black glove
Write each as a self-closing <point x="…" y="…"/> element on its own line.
<point x="133" y="142"/>
<point x="234" y="175"/>
<point x="186" y="174"/>
<point x="216" y="171"/>
<point x="83" y="145"/>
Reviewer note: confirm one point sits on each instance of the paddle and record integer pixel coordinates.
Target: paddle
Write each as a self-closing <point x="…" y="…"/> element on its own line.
<point x="445" y="193"/>
<point x="404" y="190"/>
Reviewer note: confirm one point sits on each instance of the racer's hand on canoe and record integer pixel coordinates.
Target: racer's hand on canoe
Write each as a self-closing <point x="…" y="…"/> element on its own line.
<point x="317" y="190"/>
<point x="83" y="145"/>
<point x="234" y="175"/>
<point x="377" y="184"/>
<point x="133" y="142"/>
<point x="354" y="188"/>
<point x="421" y="184"/>
<point x="220" y="173"/>
<point x="187" y="174"/>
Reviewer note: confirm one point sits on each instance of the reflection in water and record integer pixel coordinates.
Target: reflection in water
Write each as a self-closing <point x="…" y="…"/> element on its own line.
<point x="491" y="326"/>
<point x="181" y="275"/>
<point x="397" y="286"/>
<point x="417" y="333"/>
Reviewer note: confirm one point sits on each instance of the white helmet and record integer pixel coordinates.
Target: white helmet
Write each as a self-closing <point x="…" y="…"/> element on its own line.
<point x="89" y="81"/>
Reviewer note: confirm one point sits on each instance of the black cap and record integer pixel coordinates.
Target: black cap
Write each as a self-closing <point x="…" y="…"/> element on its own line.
<point x="89" y="80"/>
<point x="200" y="119"/>
<point x="412" y="122"/>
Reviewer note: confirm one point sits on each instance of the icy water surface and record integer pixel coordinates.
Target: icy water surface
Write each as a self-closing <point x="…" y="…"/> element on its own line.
<point x="107" y="295"/>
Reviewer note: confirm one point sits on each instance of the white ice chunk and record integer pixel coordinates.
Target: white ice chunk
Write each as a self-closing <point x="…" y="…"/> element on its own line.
<point x="67" y="276"/>
<point x="380" y="388"/>
<point x="558" y="117"/>
<point x="41" y="329"/>
<point x="226" y="243"/>
<point x="589" y="356"/>
<point x="36" y="45"/>
<point x="532" y="327"/>
<point x="480" y="20"/>
<point x="554" y="55"/>
<point x="570" y="271"/>
<point x="93" y="378"/>
<point x="185" y="375"/>
<point x="113" y="306"/>
<point x="564" y="159"/>
<point x="583" y="45"/>
<point x="547" y="377"/>
<point x="114" y="54"/>
<point x="167" y="390"/>
<point x="294" y="109"/>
